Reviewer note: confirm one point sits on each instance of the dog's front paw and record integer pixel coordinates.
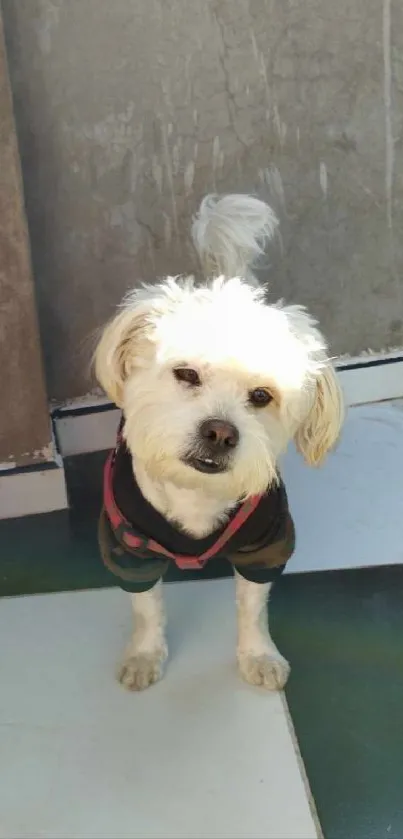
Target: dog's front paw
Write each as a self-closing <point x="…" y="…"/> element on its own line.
<point x="139" y="671"/>
<point x="268" y="670"/>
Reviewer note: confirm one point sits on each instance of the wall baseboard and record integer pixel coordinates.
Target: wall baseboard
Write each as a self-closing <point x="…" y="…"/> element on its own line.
<point x="373" y="379"/>
<point x="89" y="427"/>
<point x="84" y="430"/>
<point x="32" y="490"/>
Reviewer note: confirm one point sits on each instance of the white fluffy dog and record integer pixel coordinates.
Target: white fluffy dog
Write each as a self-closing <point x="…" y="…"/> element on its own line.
<point x="181" y="357"/>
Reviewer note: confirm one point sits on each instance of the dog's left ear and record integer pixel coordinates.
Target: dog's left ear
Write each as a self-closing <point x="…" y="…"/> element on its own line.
<point x="320" y="431"/>
<point x="116" y="352"/>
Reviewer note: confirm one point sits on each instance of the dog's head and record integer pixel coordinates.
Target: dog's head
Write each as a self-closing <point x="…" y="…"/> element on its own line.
<point x="214" y="383"/>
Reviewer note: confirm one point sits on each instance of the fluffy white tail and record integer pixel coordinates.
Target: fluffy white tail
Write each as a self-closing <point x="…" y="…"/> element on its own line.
<point x="230" y="232"/>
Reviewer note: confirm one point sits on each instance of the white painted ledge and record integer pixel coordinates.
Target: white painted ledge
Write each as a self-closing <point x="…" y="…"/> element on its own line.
<point x="349" y="513"/>
<point x="32" y="491"/>
<point x="90" y="427"/>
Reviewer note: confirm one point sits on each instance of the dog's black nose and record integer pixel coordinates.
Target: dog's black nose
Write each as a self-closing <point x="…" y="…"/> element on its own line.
<point x="219" y="434"/>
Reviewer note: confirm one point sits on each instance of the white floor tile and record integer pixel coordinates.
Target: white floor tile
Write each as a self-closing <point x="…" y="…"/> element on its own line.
<point x="349" y="513"/>
<point x="199" y="755"/>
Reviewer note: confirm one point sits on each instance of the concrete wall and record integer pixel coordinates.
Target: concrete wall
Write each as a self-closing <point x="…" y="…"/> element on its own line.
<point x="128" y="111"/>
<point x="25" y="435"/>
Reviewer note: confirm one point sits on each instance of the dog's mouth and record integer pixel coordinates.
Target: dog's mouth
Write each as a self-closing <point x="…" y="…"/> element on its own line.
<point x="207" y="465"/>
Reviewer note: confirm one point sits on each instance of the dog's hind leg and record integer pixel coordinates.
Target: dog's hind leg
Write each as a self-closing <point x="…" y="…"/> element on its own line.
<point x="259" y="660"/>
<point x="144" y="659"/>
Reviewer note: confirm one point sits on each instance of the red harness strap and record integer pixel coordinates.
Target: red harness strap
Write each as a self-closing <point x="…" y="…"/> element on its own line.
<point x="125" y="533"/>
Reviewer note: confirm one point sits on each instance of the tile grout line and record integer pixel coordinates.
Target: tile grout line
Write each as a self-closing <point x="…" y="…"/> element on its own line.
<point x="301" y="767"/>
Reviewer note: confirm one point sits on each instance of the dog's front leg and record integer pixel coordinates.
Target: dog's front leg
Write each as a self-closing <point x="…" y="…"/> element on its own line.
<point x="259" y="660"/>
<point x="147" y="651"/>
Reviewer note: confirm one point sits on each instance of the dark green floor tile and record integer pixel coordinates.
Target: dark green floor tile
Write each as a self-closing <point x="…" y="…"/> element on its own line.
<point x="44" y="553"/>
<point x="343" y="634"/>
<point x="59" y="551"/>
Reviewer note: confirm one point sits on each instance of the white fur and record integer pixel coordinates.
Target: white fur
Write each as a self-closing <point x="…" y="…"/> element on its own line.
<point x="259" y="660"/>
<point x="230" y="232"/>
<point x="236" y="342"/>
<point x="147" y="651"/>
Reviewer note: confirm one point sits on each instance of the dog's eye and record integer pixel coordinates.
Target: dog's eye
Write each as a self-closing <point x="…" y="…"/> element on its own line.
<point x="186" y="374"/>
<point x="260" y="397"/>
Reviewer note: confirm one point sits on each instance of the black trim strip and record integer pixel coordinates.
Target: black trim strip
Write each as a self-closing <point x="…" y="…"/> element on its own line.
<point x="377" y="362"/>
<point x="46" y="466"/>
<point x="62" y="413"/>
<point x="84" y="411"/>
<point x="56" y="436"/>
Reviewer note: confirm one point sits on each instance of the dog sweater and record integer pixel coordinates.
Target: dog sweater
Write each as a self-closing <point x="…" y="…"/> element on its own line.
<point x="138" y="544"/>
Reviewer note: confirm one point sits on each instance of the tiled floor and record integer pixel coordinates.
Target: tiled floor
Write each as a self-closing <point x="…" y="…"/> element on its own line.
<point x="199" y="755"/>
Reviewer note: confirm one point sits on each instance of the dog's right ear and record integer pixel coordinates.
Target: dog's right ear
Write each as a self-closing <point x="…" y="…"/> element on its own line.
<point x="320" y="431"/>
<point x="115" y="355"/>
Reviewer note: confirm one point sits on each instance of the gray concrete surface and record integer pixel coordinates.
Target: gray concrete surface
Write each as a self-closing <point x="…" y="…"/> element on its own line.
<point x="129" y="111"/>
<point x="25" y="434"/>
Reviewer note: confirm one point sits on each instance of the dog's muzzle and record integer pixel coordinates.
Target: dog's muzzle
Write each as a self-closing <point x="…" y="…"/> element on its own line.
<point x="214" y="446"/>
